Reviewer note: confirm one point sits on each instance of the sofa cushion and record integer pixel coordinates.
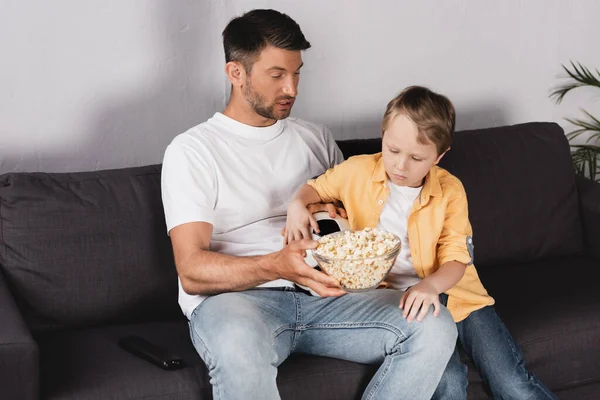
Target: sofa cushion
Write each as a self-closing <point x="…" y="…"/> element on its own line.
<point x="89" y="365"/>
<point x="88" y="248"/>
<point x="520" y="183"/>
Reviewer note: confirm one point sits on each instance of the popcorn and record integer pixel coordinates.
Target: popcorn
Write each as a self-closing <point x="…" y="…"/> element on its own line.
<point x="360" y="260"/>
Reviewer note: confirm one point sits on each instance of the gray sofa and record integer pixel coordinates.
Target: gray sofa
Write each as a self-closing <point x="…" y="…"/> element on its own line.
<point x="85" y="260"/>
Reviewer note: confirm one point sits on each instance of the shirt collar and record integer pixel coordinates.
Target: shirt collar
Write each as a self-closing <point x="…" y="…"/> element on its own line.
<point x="431" y="187"/>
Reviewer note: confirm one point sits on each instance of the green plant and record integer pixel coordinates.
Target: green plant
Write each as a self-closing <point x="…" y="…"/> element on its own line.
<point x="586" y="157"/>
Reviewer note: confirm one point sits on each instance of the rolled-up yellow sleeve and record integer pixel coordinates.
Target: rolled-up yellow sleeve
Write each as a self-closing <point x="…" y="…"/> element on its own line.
<point x="329" y="185"/>
<point x="455" y="242"/>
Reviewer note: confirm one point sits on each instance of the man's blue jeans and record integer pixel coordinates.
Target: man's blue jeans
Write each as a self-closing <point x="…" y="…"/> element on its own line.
<point x="244" y="336"/>
<point x="497" y="356"/>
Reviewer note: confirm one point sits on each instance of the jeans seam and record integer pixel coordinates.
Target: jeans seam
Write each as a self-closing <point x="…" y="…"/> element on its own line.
<point x="387" y="362"/>
<point x="208" y="361"/>
<point x="350" y="325"/>
<point x="298" y="322"/>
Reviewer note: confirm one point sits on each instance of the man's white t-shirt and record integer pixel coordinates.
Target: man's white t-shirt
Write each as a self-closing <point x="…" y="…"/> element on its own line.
<point x="240" y="179"/>
<point x="394" y="219"/>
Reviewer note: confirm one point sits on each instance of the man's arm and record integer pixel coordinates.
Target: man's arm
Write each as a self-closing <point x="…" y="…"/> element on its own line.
<point x="206" y="272"/>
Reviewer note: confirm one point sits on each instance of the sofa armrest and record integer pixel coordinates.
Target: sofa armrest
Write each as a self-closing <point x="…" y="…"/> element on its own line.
<point x="589" y="208"/>
<point x="19" y="367"/>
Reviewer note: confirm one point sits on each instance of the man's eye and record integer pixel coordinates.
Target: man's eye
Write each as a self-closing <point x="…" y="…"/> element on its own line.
<point x="297" y="73"/>
<point x="276" y="76"/>
<point x="394" y="151"/>
<point x="417" y="159"/>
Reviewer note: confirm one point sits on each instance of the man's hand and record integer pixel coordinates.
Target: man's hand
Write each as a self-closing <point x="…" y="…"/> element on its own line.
<point x="288" y="263"/>
<point x="417" y="299"/>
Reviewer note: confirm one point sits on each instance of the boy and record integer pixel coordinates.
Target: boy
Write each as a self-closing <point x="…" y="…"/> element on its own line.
<point x="401" y="190"/>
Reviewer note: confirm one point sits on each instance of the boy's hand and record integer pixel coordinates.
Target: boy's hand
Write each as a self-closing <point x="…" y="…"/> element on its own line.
<point x="318" y="207"/>
<point x="416" y="301"/>
<point x="299" y="223"/>
<point x="329" y="207"/>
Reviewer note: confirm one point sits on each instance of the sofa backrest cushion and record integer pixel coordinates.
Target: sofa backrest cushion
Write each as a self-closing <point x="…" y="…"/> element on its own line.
<point x="87" y="248"/>
<point x="520" y="185"/>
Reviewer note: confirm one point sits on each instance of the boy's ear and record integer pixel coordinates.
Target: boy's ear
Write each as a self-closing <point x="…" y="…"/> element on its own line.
<point x="236" y="73"/>
<point x="440" y="156"/>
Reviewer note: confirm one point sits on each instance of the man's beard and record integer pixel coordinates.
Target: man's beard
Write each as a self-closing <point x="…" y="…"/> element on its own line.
<point x="258" y="104"/>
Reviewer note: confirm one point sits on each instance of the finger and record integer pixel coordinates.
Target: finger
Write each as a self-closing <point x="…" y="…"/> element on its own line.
<point x="315" y="207"/>
<point x="424" y="311"/>
<point x="342" y="212"/>
<point x="313" y="223"/>
<point x="410" y="299"/>
<point x="331" y="210"/>
<point x="305" y="244"/>
<point x="306" y="233"/>
<point x="414" y="310"/>
<point x="322" y="278"/>
<point x="403" y="299"/>
<point x="322" y="290"/>
<point x="437" y="307"/>
<point x="283" y="232"/>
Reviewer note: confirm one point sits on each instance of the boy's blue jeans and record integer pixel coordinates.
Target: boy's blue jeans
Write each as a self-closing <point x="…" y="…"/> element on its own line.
<point x="244" y="336"/>
<point x="497" y="356"/>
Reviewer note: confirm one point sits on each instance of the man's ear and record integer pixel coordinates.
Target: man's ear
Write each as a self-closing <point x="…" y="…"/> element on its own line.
<point x="440" y="157"/>
<point x="235" y="73"/>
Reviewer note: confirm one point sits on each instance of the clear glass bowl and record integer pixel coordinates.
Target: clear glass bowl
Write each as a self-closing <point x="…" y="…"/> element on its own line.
<point x="358" y="274"/>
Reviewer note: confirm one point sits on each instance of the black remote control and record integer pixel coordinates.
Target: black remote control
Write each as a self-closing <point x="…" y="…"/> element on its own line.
<point x="154" y="353"/>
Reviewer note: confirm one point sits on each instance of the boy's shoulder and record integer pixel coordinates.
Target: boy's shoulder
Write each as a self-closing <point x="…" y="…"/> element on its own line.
<point x="364" y="159"/>
<point x="447" y="180"/>
<point x="361" y="163"/>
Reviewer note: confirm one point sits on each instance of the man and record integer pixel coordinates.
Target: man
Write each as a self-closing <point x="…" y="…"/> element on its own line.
<point x="226" y="186"/>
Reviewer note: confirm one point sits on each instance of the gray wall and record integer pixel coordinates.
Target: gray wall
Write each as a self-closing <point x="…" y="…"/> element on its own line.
<point x="98" y="84"/>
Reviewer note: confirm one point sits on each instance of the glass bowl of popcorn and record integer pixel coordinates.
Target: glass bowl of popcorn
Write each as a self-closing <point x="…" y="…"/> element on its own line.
<point x="359" y="259"/>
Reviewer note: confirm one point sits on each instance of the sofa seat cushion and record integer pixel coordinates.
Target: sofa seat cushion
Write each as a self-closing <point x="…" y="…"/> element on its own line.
<point x="552" y="308"/>
<point x="89" y="365"/>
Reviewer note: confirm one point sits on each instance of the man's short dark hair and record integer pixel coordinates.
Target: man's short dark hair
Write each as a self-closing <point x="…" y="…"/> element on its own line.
<point x="246" y="36"/>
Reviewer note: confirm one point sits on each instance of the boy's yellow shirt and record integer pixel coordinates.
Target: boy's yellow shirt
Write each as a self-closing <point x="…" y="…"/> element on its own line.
<point x="438" y="224"/>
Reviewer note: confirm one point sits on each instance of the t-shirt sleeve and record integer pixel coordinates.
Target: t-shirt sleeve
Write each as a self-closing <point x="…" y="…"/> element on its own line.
<point x="335" y="154"/>
<point x="188" y="186"/>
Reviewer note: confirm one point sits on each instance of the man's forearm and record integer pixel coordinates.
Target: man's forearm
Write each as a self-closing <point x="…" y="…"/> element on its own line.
<point x="207" y="272"/>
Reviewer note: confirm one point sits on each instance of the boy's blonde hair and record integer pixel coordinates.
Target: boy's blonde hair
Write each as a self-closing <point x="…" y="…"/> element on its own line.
<point x="432" y="112"/>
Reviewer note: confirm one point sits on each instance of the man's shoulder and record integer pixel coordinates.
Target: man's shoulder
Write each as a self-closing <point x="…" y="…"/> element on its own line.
<point x="304" y="125"/>
<point x="196" y="136"/>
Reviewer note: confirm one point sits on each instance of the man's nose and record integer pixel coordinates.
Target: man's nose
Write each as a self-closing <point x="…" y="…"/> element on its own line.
<point x="290" y="88"/>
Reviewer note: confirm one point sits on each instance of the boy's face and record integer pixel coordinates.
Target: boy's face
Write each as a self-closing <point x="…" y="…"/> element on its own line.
<point x="406" y="161"/>
<point x="272" y="85"/>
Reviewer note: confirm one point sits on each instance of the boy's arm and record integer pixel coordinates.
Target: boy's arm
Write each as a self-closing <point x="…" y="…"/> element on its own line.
<point x="453" y="250"/>
<point x="299" y="219"/>
<point x="453" y="256"/>
<point x="446" y="276"/>
<point x="456" y="243"/>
